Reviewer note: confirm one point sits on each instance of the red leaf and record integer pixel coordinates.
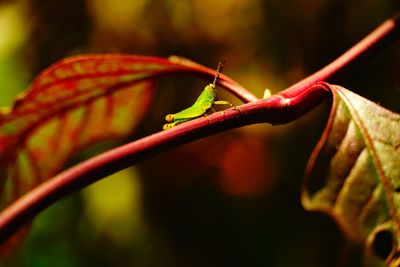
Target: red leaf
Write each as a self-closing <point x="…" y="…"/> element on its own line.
<point x="73" y="104"/>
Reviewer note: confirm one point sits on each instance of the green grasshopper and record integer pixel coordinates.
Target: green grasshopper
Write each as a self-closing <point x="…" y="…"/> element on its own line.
<point x="204" y="103"/>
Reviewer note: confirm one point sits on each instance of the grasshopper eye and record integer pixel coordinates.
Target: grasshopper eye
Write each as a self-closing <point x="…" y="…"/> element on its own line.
<point x="169" y="118"/>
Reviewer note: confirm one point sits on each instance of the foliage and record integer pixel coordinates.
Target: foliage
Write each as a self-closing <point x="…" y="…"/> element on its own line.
<point x="353" y="173"/>
<point x="86" y="100"/>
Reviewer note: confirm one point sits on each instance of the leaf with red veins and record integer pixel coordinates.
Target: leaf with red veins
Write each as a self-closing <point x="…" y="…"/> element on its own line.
<point x="75" y="103"/>
<point x="354" y="173"/>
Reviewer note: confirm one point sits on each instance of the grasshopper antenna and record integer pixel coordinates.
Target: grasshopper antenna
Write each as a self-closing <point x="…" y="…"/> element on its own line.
<point x="219" y="70"/>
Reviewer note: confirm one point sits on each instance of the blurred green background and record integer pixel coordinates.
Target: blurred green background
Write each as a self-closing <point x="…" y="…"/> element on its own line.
<point x="228" y="200"/>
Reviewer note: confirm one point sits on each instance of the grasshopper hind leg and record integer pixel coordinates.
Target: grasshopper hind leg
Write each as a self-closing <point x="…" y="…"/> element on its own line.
<point x="173" y="124"/>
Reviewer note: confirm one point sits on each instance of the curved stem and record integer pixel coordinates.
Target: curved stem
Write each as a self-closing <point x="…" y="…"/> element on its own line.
<point x="226" y="82"/>
<point x="361" y="52"/>
<point x="273" y="110"/>
<point x="281" y="108"/>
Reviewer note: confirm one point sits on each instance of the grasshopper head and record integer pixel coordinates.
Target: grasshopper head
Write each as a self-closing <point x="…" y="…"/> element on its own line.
<point x="169" y="118"/>
<point x="168" y="126"/>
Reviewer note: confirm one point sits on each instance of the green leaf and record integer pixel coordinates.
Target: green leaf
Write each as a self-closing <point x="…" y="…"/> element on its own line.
<point x="354" y="173"/>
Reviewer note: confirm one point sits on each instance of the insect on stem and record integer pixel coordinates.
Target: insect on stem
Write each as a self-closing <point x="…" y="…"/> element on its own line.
<point x="201" y="106"/>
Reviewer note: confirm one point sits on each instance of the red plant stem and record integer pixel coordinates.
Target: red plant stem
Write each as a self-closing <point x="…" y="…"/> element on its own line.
<point x="281" y="108"/>
<point x="361" y="52"/>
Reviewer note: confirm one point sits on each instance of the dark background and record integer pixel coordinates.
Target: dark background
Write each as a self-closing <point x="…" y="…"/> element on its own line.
<point x="228" y="200"/>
